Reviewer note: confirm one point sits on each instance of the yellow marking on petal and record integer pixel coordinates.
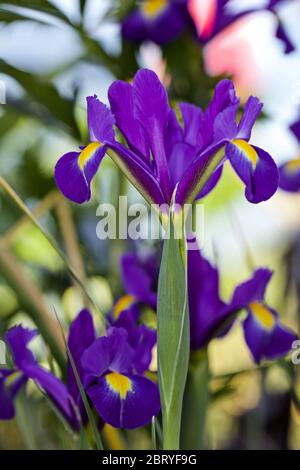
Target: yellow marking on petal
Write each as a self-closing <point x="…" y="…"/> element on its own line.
<point x="152" y="8"/>
<point x="122" y="304"/>
<point x="153" y="363"/>
<point x="119" y="383"/>
<point x="247" y="150"/>
<point x="262" y="314"/>
<point x="293" y="165"/>
<point x="87" y="153"/>
<point x="10" y="379"/>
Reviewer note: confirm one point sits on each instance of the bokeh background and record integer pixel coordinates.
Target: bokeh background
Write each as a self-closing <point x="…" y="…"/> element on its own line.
<point x="51" y="58"/>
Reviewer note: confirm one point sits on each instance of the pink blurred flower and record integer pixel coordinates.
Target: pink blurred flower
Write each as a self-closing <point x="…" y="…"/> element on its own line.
<point x="229" y="53"/>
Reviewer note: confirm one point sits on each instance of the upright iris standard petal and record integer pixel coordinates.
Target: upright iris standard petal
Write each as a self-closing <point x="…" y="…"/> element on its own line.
<point x="100" y="121"/>
<point x="289" y="176"/>
<point x="141" y="337"/>
<point x="218" y="127"/>
<point x="151" y="109"/>
<point x="264" y="334"/>
<point x="18" y="339"/>
<point x="111" y="352"/>
<point x="193" y="119"/>
<point x="121" y="100"/>
<point x="224" y="96"/>
<point x="125" y="401"/>
<point x="256" y="168"/>
<point x="81" y="336"/>
<point x="138" y="280"/>
<point x="251" y="112"/>
<point x="251" y="290"/>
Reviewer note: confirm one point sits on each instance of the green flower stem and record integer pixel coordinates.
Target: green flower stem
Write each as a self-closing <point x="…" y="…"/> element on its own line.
<point x="195" y="404"/>
<point x="173" y="338"/>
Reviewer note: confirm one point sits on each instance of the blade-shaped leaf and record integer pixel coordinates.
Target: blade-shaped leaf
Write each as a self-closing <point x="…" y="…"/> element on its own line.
<point x="173" y="338"/>
<point x="42" y="6"/>
<point x="45" y="94"/>
<point x="8" y="121"/>
<point x="196" y="400"/>
<point x="9" y="16"/>
<point x="24" y="209"/>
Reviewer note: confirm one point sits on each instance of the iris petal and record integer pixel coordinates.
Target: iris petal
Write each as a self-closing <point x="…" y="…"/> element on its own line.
<point x="74" y="172"/>
<point x="100" y="121"/>
<point x="120" y="96"/>
<point x="160" y="28"/>
<point x="289" y="176"/>
<point x="251" y="112"/>
<point x="18" y="339"/>
<point x="265" y="336"/>
<point x="256" y="168"/>
<point x="252" y="290"/>
<point x="110" y="352"/>
<point x="136" y="280"/>
<point x="81" y="336"/>
<point x="10" y="383"/>
<point x="205" y="305"/>
<point x="151" y="109"/>
<point x="125" y="401"/>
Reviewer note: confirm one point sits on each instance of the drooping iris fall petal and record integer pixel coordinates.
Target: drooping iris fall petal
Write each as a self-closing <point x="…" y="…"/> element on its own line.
<point x="18" y="339"/>
<point x="256" y="168"/>
<point x="289" y="176"/>
<point x="264" y="335"/>
<point x="121" y="397"/>
<point x="125" y="401"/>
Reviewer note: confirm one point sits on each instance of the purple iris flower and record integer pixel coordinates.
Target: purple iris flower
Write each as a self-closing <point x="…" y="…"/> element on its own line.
<point x="141" y="336"/>
<point x="289" y="172"/>
<point x="162" y="21"/>
<point x="139" y="277"/>
<point x="159" y="21"/>
<point x="111" y="368"/>
<point x="265" y="336"/>
<point x="121" y="396"/>
<point x="26" y="367"/>
<point x="164" y="160"/>
<point x="139" y="274"/>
